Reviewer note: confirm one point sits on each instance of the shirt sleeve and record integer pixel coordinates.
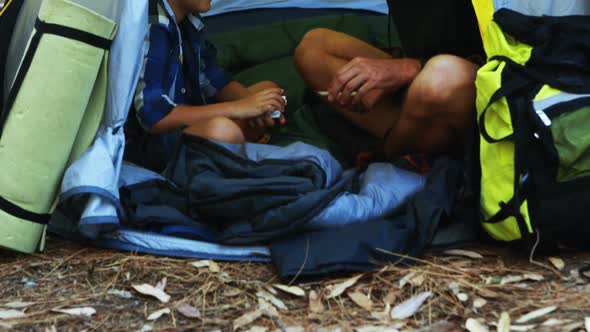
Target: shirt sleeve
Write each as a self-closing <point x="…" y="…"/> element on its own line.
<point x="214" y="73"/>
<point x="152" y="101"/>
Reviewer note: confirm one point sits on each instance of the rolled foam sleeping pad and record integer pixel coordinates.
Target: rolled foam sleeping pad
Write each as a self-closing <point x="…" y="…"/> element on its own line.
<point x="51" y="116"/>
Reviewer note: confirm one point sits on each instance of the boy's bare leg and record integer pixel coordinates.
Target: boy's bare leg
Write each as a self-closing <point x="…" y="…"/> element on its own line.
<point x="429" y="117"/>
<point x="228" y="130"/>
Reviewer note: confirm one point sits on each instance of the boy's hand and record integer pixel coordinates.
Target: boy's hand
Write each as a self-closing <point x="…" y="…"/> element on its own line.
<point x="259" y="105"/>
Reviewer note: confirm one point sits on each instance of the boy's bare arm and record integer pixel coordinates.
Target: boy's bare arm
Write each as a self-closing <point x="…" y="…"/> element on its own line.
<point x="233" y="91"/>
<point x="252" y="106"/>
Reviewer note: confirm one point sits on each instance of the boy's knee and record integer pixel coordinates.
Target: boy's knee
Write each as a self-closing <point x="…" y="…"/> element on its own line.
<point x="261" y="86"/>
<point x="268" y="85"/>
<point x="218" y="129"/>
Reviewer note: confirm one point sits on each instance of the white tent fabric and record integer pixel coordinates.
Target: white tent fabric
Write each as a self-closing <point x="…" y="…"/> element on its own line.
<point x="227" y="6"/>
<point x="552" y="8"/>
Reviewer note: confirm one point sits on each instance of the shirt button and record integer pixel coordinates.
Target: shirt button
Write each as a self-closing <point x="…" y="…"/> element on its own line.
<point x="183" y="90"/>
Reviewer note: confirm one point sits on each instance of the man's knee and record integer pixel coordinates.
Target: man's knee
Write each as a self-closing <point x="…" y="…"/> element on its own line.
<point x="445" y="78"/>
<point x="219" y="129"/>
<point x="311" y="44"/>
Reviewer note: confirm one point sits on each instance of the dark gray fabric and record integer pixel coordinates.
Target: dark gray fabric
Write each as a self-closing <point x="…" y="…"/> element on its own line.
<point x="244" y="201"/>
<point x="355" y="248"/>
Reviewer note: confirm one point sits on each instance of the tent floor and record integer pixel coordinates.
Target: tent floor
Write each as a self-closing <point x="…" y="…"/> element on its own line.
<point x="71" y="276"/>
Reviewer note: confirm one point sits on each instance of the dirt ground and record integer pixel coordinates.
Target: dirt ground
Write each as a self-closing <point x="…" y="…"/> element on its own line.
<point x="459" y="289"/>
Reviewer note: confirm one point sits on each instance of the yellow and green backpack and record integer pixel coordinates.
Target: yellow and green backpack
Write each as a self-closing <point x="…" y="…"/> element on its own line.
<point x="533" y="112"/>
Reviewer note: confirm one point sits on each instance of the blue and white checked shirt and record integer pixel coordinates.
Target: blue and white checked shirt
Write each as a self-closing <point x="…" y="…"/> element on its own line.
<point x="164" y="83"/>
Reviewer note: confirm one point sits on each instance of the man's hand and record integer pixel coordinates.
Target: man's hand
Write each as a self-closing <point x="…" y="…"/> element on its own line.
<point x="362" y="76"/>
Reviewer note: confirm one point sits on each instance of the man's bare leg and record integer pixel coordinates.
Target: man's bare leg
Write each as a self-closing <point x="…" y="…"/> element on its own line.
<point x="429" y="117"/>
<point x="320" y="56"/>
<point x="437" y="108"/>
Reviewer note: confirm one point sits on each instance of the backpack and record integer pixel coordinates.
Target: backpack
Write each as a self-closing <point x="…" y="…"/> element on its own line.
<point x="533" y="116"/>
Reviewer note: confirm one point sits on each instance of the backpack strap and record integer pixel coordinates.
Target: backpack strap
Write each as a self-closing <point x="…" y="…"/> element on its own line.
<point x="505" y="90"/>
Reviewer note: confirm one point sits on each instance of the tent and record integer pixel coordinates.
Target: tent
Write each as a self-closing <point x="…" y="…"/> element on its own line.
<point x="90" y="207"/>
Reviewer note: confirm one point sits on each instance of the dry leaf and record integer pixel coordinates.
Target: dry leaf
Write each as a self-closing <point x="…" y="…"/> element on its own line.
<point x="272" y="299"/>
<point x="200" y="264"/>
<point x="462" y="297"/>
<point x="150" y="290"/>
<point x="409" y="307"/>
<point x="258" y="329"/>
<point x="315" y="303"/>
<point x="232" y="292"/>
<point x="10" y="326"/>
<point x="406" y="279"/>
<point x="294" y="329"/>
<point x="247" y="319"/>
<point x="522" y="328"/>
<point x="573" y="326"/>
<point x="487" y="293"/>
<point x="162" y="284"/>
<point x="473" y="325"/>
<point x="383" y="315"/>
<point x="157" y="314"/>
<point x="417" y="281"/>
<point x="267" y="309"/>
<point x="293" y="290"/>
<point x="146" y="328"/>
<point x="120" y="293"/>
<point x="391" y="296"/>
<point x="271" y="290"/>
<point x="11" y="314"/>
<point x="18" y="305"/>
<point x="536" y="314"/>
<point x="376" y="329"/>
<point x="189" y="311"/>
<point x="557" y="262"/>
<point x="213" y="267"/>
<point x="361" y="300"/>
<point x="442" y="326"/>
<point x="338" y="289"/>
<point x="463" y="253"/>
<point x="86" y="311"/>
<point x="504" y="323"/>
<point x="479" y="303"/>
<point x="555" y="322"/>
<point x="513" y="279"/>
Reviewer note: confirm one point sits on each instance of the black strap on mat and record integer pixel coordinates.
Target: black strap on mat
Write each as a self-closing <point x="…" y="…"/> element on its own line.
<point x="41" y="28"/>
<point x="21" y="213"/>
<point x="53" y="29"/>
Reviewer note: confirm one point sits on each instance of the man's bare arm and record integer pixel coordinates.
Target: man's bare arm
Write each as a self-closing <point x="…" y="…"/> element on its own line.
<point x="362" y="75"/>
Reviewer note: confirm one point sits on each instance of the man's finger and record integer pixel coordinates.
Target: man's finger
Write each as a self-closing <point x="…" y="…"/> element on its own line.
<point x="351" y="88"/>
<point x="362" y="91"/>
<point x="340" y="81"/>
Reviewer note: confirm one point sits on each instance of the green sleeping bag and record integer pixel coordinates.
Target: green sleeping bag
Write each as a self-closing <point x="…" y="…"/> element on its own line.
<point x="51" y="116"/>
